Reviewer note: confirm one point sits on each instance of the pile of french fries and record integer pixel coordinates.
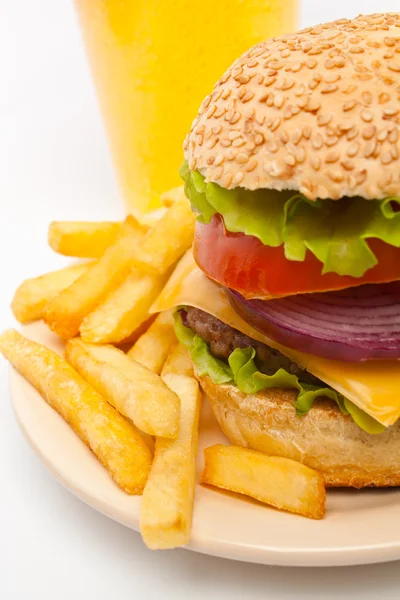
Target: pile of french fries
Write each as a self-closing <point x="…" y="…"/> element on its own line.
<point x="138" y="409"/>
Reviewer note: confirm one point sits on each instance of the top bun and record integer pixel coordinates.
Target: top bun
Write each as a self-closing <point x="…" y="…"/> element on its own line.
<point x="316" y="111"/>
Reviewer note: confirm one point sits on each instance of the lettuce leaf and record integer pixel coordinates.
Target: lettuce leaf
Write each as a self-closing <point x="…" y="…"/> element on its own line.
<point x="335" y="231"/>
<point x="242" y="371"/>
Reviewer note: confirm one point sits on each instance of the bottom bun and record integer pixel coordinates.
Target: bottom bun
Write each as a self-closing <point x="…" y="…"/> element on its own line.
<point x="323" y="439"/>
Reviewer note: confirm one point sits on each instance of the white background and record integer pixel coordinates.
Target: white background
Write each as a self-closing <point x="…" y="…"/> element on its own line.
<point x="54" y="164"/>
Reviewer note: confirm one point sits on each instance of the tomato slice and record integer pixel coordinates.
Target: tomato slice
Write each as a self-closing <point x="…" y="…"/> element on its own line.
<point x="243" y="263"/>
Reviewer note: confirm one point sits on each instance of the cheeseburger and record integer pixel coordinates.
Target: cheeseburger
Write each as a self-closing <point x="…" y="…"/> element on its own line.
<point x="290" y="303"/>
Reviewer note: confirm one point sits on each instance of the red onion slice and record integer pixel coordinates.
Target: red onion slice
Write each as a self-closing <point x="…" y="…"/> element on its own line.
<point x="356" y="324"/>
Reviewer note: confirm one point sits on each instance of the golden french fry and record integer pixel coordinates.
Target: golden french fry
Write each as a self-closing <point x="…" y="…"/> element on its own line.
<point x="173" y="195"/>
<point x="33" y="294"/>
<point x="279" y="482"/>
<point x="152" y="347"/>
<point x="126" y="343"/>
<point x="81" y="238"/>
<point x="123" y="310"/>
<point x="165" y="243"/>
<point x="116" y="443"/>
<point x="167" y="503"/>
<point x="178" y="361"/>
<point x="149" y="219"/>
<point x="65" y="313"/>
<point x="136" y="392"/>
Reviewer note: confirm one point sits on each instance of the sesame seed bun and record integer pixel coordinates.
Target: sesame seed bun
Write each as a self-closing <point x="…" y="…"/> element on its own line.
<point x="324" y="439"/>
<point x="316" y="111"/>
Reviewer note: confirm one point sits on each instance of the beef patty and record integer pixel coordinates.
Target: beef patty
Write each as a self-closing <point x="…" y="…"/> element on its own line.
<point x="223" y="339"/>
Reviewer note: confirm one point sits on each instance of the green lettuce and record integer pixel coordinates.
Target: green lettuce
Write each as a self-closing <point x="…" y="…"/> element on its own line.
<point x="241" y="370"/>
<point x="336" y="232"/>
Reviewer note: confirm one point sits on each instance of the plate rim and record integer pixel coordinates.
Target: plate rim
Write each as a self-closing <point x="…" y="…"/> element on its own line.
<point x="268" y="555"/>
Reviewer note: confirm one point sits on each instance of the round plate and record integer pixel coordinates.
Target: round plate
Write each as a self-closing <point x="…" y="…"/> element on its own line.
<point x="359" y="526"/>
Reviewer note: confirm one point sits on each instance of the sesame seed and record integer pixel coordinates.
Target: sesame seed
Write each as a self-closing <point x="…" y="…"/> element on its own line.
<point x="269" y="81"/>
<point x="367" y="97"/>
<point x="390" y="111"/>
<point x="369" y="132"/>
<point x="349" y="105"/>
<point x="394" y="136"/>
<point x="219" y="112"/>
<point x="242" y="158"/>
<point x="353" y="149"/>
<point x="366" y="115"/>
<point x="284" y="137"/>
<point x="318" y="141"/>
<point x="311" y="62"/>
<point x="238" y="142"/>
<point x="329" y="88"/>
<point x="272" y="147"/>
<point x="211" y="111"/>
<point x="297" y="135"/>
<point x="279" y="100"/>
<point x="382" y="135"/>
<point x="290" y="160"/>
<point x="249" y="95"/>
<point x="313" y="105"/>
<point x="315" y="162"/>
<point x="275" y="123"/>
<point x="225" y="143"/>
<point x="235" y="118"/>
<point x="299" y="91"/>
<point x="324" y="119"/>
<point x="251" y="165"/>
<point x="331" y="141"/>
<point x="242" y="78"/>
<point x="386" y="158"/>
<point x="369" y="149"/>
<point x="336" y="175"/>
<point x="347" y="164"/>
<point x="329" y="63"/>
<point x="238" y="178"/>
<point x="332" y="157"/>
<point x="227" y="180"/>
<point x="288" y="84"/>
<point x="352" y="133"/>
<point x="300" y="154"/>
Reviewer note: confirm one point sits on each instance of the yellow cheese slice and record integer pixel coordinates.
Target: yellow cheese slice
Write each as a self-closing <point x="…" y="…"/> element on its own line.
<point x="374" y="386"/>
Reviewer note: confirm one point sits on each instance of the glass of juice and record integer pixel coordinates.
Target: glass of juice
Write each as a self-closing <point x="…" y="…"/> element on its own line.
<point x="153" y="61"/>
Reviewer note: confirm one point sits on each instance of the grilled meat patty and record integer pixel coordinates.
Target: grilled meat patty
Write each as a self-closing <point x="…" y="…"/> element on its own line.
<point x="223" y="339"/>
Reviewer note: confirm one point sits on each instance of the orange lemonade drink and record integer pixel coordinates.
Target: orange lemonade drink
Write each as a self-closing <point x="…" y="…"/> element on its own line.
<point x="153" y="61"/>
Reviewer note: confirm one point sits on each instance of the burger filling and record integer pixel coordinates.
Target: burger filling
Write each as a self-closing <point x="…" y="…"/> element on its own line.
<point x="222" y="340"/>
<point x="228" y="356"/>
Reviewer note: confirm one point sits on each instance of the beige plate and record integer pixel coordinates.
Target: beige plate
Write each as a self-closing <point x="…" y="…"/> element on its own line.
<point x="360" y="527"/>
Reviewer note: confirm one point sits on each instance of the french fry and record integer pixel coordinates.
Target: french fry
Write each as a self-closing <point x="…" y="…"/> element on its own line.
<point x="167" y="503"/>
<point x="82" y="239"/>
<point x="123" y="310"/>
<point x="152" y="347"/>
<point x="173" y="195"/>
<point x="279" y="482"/>
<point x="149" y="219"/>
<point x="65" y="313"/>
<point x="165" y="243"/>
<point x="136" y="392"/>
<point x="116" y="443"/>
<point x="33" y="294"/>
<point x="126" y="343"/>
<point x="178" y="361"/>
